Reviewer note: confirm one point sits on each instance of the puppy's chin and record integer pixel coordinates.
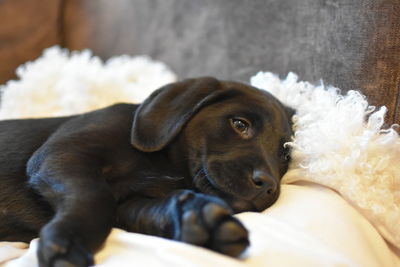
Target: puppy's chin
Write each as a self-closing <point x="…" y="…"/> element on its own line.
<point x="203" y="184"/>
<point x="239" y="205"/>
<point x="265" y="201"/>
<point x="258" y="204"/>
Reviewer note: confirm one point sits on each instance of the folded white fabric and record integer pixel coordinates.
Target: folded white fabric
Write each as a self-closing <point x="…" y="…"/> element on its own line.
<point x="310" y="225"/>
<point x="11" y="250"/>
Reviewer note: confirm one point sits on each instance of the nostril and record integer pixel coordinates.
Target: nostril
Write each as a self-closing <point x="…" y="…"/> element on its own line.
<point x="258" y="181"/>
<point x="261" y="180"/>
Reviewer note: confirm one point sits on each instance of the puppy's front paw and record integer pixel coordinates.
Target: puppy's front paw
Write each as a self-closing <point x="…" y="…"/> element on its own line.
<point x="57" y="248"/>
<point x="207" y="221"/>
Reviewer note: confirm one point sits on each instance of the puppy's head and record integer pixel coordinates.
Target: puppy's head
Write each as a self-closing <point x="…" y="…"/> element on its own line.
<point x="231" y="137"/>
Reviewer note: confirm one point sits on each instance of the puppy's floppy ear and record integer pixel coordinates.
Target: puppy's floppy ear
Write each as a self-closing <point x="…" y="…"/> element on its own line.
<point x="163" y="114"/>
<point x="289" y="112"/>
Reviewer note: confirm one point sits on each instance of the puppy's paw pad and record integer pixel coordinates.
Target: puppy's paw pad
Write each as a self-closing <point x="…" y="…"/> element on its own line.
<point x="231" y="238"/>
<point x="49" y="248"/>
<point x="231" y="231"/>
<point x="208" y="222"/>
<point x="233" y="250"/>
<point x="56" y="250"/>
<point x="192" y="230"/>
<point x="185" y="196"/>
<point x="63" y="263"/>
<point x="214" y="213"/>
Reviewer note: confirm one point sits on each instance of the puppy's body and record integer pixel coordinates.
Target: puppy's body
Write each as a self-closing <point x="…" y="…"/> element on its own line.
<point x="189" y="162"/>
<point x="22" y="213"/>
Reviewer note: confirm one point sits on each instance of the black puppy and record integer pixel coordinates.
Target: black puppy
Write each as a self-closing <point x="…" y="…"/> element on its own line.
<point x="176" y="166"/>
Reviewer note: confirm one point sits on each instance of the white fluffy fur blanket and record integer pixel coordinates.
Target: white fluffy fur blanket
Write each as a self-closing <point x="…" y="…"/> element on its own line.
<point x="338" y="143"/>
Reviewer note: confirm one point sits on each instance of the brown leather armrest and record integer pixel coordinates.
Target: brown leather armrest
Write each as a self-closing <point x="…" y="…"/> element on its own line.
<point x="26" y="28"/>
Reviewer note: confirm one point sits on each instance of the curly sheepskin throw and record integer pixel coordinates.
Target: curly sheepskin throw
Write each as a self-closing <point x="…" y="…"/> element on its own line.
<point x="339" y="142"/>
<point x="61" y="83"/>
<point x="338" y="139"/>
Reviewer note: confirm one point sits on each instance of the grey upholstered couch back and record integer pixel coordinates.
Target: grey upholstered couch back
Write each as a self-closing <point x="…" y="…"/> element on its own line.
<point x="352" y="44"/>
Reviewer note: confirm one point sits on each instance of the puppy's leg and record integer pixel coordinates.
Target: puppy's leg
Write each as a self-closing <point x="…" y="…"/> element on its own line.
<point x="187" y="216"/>
<point x="83" y="204"/>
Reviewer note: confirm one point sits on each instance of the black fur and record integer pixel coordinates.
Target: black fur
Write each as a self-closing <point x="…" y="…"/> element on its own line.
<point x="174" y="166"/>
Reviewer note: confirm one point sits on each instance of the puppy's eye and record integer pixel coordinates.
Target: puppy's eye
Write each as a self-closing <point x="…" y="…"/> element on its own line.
<point x="241" y="126"/>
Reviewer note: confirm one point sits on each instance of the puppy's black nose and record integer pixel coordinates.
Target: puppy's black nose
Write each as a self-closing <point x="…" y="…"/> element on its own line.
<point x="264" y="181"/>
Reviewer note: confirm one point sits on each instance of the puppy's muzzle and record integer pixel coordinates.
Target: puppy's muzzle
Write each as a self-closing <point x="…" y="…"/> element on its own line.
<point x="264" y="182"/>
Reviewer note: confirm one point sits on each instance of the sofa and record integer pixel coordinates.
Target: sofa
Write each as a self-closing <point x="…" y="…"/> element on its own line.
<point x="350" y="44"/>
